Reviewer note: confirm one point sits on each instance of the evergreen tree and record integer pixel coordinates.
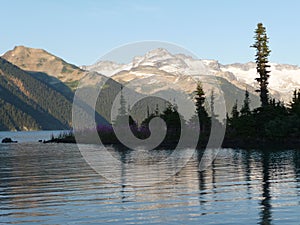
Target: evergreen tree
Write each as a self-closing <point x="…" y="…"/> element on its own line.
<point x="295" y="103"/>
<point x="246" y="124"/>
<point x="148" y="111"/>
<point x="156" y="112"/>
<point x="172" y="117"/>
<point x="173" y="120"/>
<point x="121" y="119"/>
<point x="122" y="109"/>
<point x="234" y="112"/>
<point x="214" y="116"/>
<point x="233" y="121"/>
<point x="245" y="110"/>
<point x="212" y="104"/>
<point x="262" y="53"/>
<point x="200" y="108"/>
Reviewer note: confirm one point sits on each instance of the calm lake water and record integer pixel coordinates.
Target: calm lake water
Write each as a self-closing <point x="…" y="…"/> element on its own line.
<point x="52" y="184"/>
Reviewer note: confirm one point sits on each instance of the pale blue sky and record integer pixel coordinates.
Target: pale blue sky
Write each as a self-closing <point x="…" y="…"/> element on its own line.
<point x="82" y="31"/>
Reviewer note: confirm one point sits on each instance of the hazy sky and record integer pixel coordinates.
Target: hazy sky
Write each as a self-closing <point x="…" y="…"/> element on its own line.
<point x="82" y="31"/>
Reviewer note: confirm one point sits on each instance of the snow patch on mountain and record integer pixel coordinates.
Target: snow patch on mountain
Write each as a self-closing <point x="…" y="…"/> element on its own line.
<point x="283" y="80"/>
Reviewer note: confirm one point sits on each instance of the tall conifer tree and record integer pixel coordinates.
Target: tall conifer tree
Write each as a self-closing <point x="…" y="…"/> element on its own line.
<point x="200" y="107"/>
<point x="262" y="53"/>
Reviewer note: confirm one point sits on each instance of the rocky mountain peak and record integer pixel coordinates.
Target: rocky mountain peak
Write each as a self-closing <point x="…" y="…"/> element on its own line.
<point x="158" y="52"/>
<point x="39" y="60"/>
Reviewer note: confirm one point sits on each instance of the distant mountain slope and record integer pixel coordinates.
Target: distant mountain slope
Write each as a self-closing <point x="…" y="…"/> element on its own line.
<point x="29" y="104"/>
<point x="283" y="80"/>
<point x="159" y="71"/>
<point x="40" y="89"/>
<point x="149" y="80"/>
<point x="38" y="92"/>
<point x="39" y="60"/>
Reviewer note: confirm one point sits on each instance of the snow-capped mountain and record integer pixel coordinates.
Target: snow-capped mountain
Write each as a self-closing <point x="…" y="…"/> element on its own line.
<point x="178" y="64"/>
<point x="158" y="64"/>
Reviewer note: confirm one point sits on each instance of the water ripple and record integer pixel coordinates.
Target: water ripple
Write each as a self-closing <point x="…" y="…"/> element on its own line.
<point x="52" y="184"/>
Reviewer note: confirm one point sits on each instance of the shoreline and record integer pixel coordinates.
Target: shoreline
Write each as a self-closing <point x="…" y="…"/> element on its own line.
<point x="247" y="144"/>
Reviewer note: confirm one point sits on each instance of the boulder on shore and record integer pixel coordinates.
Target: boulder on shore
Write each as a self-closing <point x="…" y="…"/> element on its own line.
<point x="8" y="140"/>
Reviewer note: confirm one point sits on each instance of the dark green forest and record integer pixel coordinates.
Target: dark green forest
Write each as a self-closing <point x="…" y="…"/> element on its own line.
<point x="27" y="103"/>
<point x="274" y="121"/>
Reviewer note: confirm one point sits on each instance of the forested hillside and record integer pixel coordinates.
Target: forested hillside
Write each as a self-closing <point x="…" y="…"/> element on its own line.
<point x="27" y="103"/>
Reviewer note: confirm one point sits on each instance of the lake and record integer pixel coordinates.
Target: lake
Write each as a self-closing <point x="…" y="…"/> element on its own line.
<point x="52" y="184"/>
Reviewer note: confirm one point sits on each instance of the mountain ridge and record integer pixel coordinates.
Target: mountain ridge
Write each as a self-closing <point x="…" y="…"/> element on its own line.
<point x="51" y="107"/>
<point x="39" y="60"/>
<point x="283" y="79"/>
<point x="156" y="72"/>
